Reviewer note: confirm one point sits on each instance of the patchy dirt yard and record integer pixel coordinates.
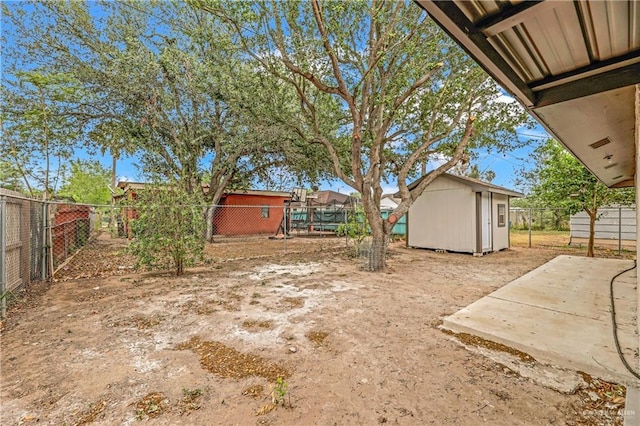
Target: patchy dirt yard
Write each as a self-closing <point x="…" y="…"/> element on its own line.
<point x="303" y="338"/>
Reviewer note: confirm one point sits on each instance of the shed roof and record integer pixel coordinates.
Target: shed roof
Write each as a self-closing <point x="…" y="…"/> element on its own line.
<point x="572" y="64"/>
<point x="476" y="185"/>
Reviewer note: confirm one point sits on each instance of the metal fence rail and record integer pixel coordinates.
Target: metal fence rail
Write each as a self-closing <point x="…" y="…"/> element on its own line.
<point x="615" y="227"/>
<point x="36" y="237"/>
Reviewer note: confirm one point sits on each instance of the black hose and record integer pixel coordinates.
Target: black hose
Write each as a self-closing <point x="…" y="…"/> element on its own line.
<point x="615" y="326"/>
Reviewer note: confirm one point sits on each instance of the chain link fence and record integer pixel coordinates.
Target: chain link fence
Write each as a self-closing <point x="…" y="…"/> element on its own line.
<point x="36" y="238"/>
<point x="615" y="228"/>
<point x="293" y="227"/>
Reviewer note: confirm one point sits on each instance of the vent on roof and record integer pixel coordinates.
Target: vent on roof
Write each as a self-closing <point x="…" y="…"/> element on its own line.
<point x="617" y="177"/>
<point x="601" y="142"/>
<point x="608" y="166"/>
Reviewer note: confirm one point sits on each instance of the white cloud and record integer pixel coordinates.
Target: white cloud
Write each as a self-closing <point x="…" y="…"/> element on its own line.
<point x="436" y="160"/>
<point x="506" y="99"/>
<point x="389" y="189"/>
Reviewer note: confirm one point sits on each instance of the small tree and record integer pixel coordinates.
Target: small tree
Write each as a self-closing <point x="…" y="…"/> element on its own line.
<point x="559" y="181"/>
<point x="168" y="231"/>
<point x="356" y="229"/>
<point x="88" y="182"/>
<point x="38" y="126"/>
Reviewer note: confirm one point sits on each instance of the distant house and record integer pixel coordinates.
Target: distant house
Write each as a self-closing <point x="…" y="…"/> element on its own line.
<point x="460" y="214"/>
<point x="332" y="199"/>
<point x="250" y="212"/>
<point x="126" y="199"/>
<point x="322" y="211"/>
<point x="388" y="203"/>
<point x="241" y="212"/>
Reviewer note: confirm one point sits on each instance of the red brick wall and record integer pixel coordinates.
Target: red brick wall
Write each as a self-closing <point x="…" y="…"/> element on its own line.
<point x="248" y="220"/>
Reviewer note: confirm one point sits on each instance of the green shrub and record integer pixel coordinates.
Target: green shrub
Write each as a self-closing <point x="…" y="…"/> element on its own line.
<point x="356" y="229"/>
<point x="168" y="233"/>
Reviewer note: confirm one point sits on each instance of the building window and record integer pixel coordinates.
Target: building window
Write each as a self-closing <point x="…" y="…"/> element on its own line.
<point x="265" y="212"/>
<point x="502" y="215"/>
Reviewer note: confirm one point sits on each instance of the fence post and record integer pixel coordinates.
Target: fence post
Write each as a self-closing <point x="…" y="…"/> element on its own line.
<point x="285" y="218"/>
<point x="3" y="256"/>
<point x="530" y="213"/>
<point x="45" y="264"/>
<point x="346" y="230"/>
<point x="619" y="230"/>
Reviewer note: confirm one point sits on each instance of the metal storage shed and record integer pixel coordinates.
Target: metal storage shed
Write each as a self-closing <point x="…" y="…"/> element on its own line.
<point x="461" y="214"/>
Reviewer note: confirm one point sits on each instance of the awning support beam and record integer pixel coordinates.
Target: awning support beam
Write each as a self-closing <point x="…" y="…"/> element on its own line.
<point x="602" y="82"/>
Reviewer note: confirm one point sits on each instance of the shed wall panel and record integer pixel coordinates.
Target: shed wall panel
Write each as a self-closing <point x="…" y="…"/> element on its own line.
<point x="444" y="217"/>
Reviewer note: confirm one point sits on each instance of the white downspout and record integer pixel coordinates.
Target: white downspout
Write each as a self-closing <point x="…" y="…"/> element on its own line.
<point x="632" y="406"/>
<point x="637" y="182"/>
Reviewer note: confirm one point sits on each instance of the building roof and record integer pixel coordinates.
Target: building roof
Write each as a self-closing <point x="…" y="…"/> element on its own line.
<point x="133" y="186"/>
<point x="572" y="64"/>
<point x="476" y="185"/>
<point x="259" y="192"/>
<point x="127" y="185"/>
<point x="388" y="202"/>
<point x="325" y="197"/>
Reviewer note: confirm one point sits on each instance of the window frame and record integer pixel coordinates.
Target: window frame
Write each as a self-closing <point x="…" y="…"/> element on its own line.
<point x="502" y="223"/>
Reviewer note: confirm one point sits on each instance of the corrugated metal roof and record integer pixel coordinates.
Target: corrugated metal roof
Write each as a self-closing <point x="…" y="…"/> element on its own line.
<point x="559" y="36"/>
<point x="572" y="64"/>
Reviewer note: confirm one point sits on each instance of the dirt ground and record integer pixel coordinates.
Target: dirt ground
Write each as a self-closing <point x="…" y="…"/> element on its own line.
<point x="260" y="337"/>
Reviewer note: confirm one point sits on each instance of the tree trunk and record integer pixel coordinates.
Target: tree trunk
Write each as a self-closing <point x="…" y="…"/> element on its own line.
<point x="379" y="237"/>
<point x="209" y="227"/>
<point x="592" y="232"/>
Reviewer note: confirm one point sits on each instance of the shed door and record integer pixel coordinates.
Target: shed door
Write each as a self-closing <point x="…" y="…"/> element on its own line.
<point x="486" y="222"/>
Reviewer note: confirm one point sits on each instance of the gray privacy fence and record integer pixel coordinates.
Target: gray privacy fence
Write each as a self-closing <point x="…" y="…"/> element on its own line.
<point x="36" y="238"/>
<point x="617" y="224"/>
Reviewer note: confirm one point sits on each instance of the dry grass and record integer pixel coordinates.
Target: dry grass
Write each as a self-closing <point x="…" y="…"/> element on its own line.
<point x="317" y="337"/>
<point x="91" y="414"/>
<point x="254" y="325"/>
<point x="226" y="362"/>
<point x="560" y="240"/>
<point x="152" y="405"/>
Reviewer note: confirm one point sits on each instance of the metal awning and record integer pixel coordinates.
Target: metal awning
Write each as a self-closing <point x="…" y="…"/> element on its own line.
<point x="572" y="64"/>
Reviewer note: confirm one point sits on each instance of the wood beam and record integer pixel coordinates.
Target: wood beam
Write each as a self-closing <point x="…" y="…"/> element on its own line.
<point x="510" y="17"/>
<point x="593" y="68"/>
<point x="603" y="82"/>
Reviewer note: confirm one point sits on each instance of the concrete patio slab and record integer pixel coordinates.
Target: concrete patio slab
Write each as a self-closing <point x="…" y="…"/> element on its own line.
<point x="559" y="314"/>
